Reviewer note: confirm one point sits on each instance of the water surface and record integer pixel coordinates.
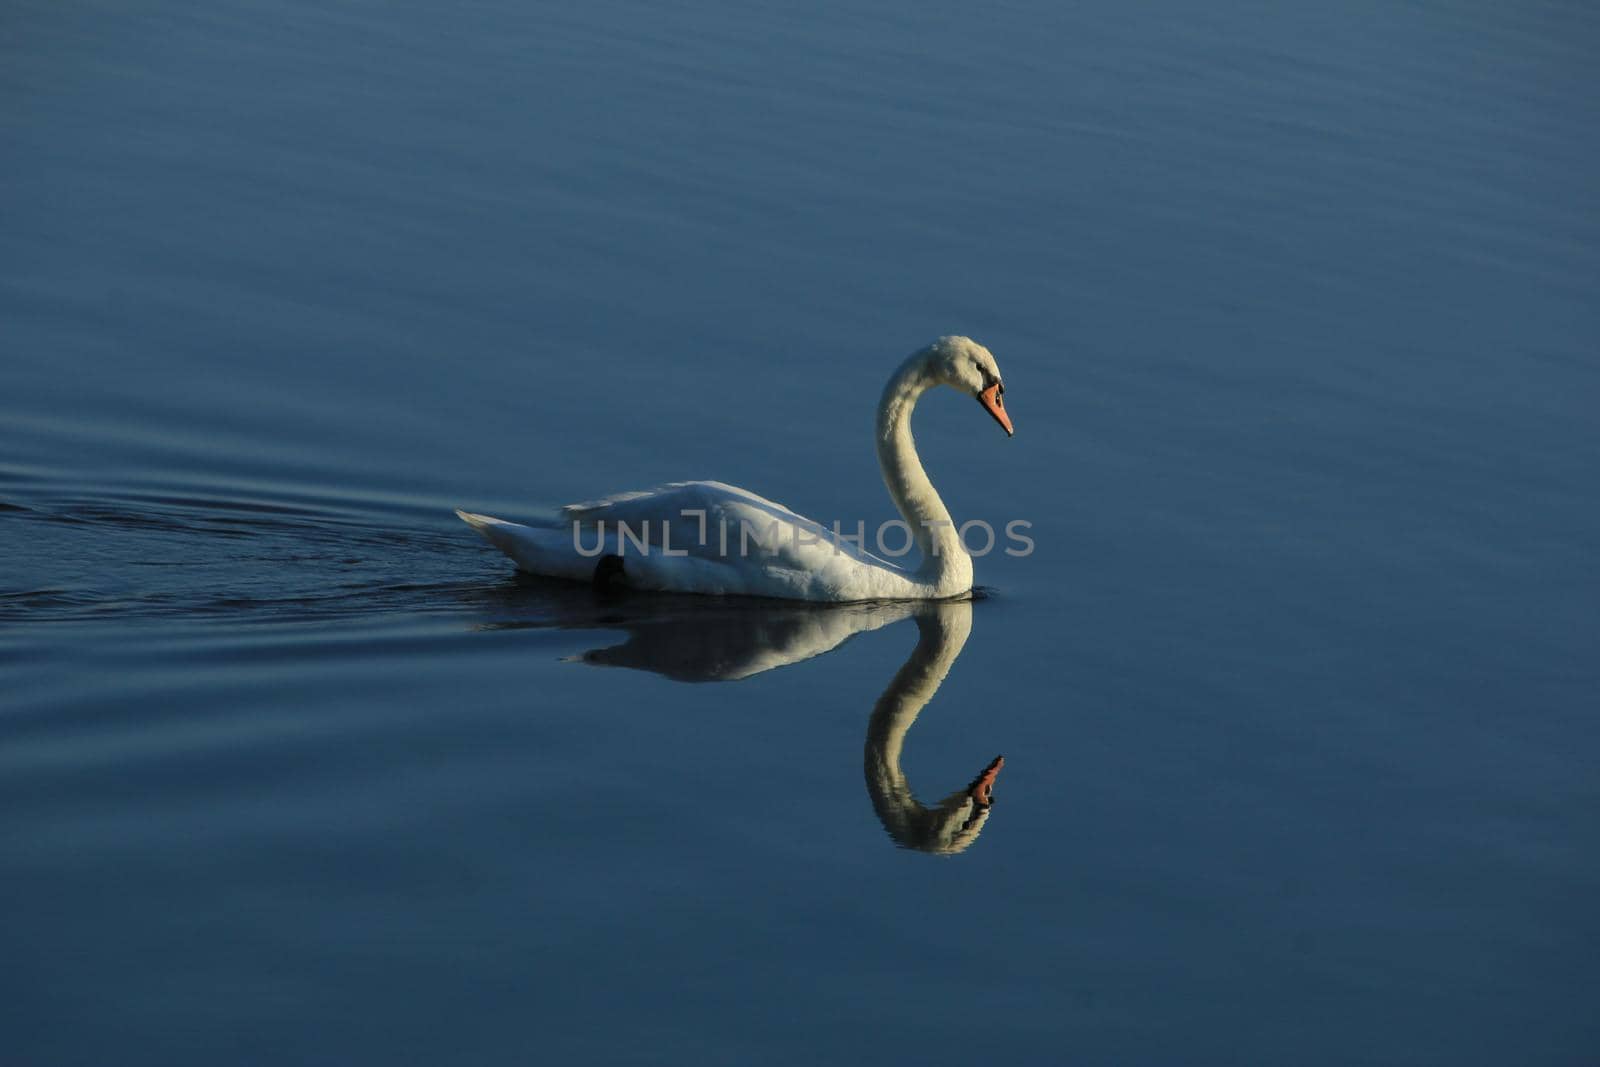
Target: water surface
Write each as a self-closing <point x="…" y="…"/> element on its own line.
<point x="1296" y="312"/>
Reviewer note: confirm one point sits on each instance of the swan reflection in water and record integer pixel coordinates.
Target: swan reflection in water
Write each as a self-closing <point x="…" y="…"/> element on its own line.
<point x="953" y="824"/>
<point x="720" y="642"/>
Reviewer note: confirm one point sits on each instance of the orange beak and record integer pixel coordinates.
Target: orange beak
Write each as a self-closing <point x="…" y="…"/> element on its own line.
<point x="982" y="788"/>
<point x="993" y="401"/>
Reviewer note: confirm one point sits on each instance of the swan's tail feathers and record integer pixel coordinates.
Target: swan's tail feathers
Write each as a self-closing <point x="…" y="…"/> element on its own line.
<point x="535" y="549"/>
<point x="477" y="522"/>
<point x="497" y="532"/>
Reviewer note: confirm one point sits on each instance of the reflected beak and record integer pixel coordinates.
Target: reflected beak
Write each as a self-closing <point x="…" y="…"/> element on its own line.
<point x="993" y="401"/>
<point x="982" y="788"/>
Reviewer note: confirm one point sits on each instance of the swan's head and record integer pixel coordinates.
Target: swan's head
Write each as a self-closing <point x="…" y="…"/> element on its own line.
<point x="949" y="827"/>
<point x="966" y="365"/>
<point x="962" y="814"/>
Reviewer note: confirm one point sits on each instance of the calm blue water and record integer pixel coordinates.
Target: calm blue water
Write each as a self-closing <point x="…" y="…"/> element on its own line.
<point x="1297" y="311"/>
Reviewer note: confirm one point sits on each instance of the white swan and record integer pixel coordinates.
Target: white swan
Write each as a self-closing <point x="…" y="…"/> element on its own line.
<point x="707" y="537"/>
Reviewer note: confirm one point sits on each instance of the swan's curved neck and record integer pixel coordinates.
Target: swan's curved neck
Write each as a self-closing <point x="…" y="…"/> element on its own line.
<point x="942" y="632"/>
<point x="945" y="563"/>
<point x="941" y="635"/>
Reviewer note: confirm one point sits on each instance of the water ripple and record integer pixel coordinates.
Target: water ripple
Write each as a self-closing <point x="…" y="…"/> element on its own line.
<point x="117" y="554"/>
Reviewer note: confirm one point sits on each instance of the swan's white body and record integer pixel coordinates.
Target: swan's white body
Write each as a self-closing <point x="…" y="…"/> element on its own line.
<point x="708" y="537"/>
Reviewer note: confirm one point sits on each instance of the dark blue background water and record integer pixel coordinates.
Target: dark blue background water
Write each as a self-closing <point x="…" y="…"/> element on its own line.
<point x="1297" y="312"/>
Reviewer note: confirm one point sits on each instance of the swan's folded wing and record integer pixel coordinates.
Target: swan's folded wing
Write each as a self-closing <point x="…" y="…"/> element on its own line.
<point x="701" y="537"/>
<point x="717" y="521"/>
<point x="689" y="515"/>
<point x="603" y="507"/>
<point x="668" y="501"/>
